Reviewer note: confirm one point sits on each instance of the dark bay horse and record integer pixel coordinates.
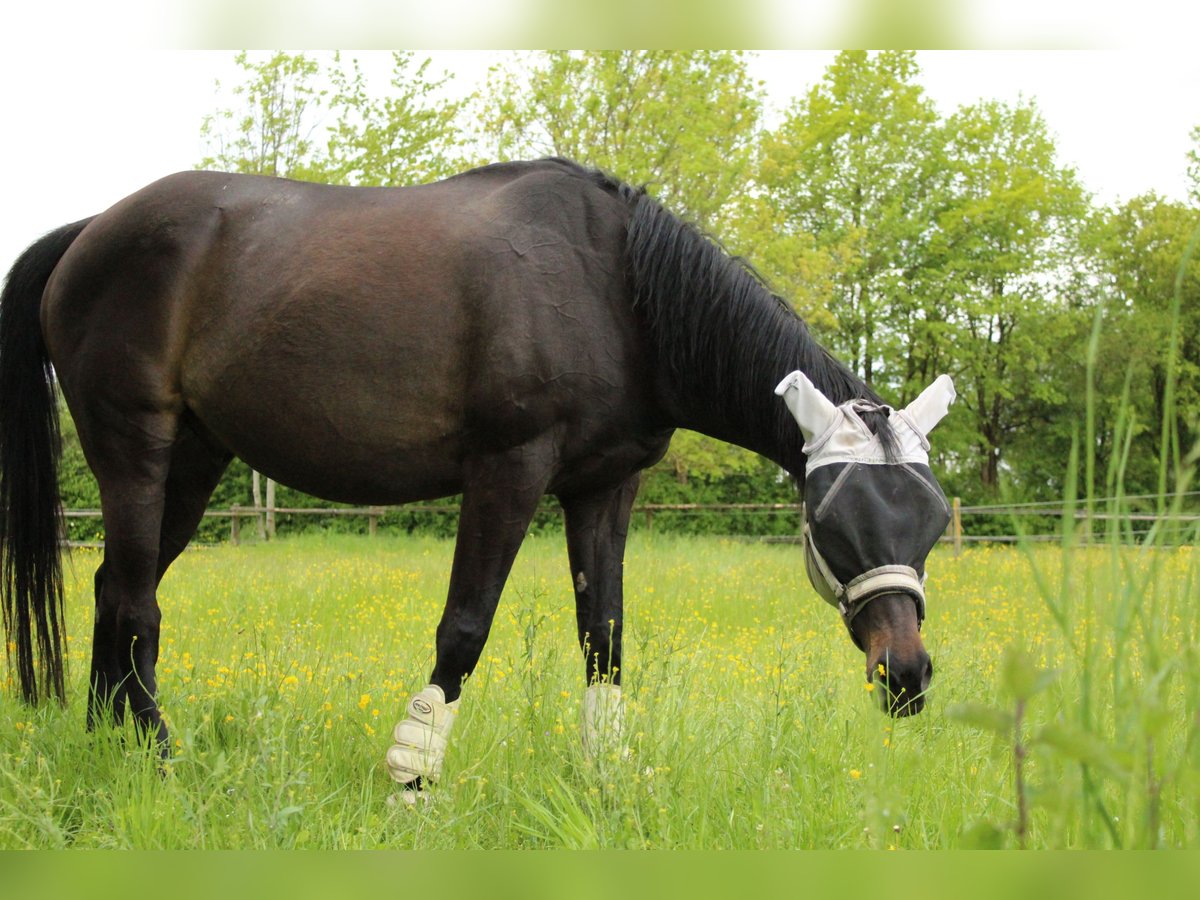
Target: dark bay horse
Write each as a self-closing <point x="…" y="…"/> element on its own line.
<point x="517" y="330"/>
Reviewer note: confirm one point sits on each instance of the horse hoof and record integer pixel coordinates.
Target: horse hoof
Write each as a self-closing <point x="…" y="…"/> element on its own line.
<point x="410" y="796"/>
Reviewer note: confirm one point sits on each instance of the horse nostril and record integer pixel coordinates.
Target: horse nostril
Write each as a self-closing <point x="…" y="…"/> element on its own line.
<point x="901" y="683"/>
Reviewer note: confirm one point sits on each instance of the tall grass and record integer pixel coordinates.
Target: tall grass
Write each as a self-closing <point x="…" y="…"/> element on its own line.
<point x="285" y="665"/>
<point x="1123" y="728"/>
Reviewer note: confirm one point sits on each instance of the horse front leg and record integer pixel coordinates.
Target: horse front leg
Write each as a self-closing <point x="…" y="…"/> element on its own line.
<point x="597" y="527"/>
<point x="500" y="495"/>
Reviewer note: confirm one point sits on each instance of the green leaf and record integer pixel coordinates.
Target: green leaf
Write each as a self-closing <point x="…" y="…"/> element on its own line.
<point x="1075" y="743"/>
<point x="983" y="836"/>
<point x="985" y="718"/>
<point x="1022" y="677"/>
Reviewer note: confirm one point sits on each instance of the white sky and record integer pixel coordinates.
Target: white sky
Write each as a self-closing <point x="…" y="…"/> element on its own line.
<point x="83" y="128"/>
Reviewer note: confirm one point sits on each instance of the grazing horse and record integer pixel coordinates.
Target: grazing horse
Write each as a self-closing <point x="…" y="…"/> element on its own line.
<point x="517" y="330"/>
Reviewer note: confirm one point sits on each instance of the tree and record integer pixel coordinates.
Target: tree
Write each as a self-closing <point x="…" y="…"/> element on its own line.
<point x="1142" y="252"/>
<point x="1193" y="166"/>
<point x="1004" y="249"/>
<point x="270" y="131"/>
<point x="682" y="121"/>
<point x="846" y="177"/>
<point x="294" y="118"/>
<point x="407" y="136"/>
<point x="947" y="246"/>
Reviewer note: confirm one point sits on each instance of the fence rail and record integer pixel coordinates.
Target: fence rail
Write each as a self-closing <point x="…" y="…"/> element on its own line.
<point x="956" y="535"/>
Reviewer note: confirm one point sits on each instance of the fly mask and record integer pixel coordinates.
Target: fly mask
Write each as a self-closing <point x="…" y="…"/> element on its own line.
<point x="870" y="518"/>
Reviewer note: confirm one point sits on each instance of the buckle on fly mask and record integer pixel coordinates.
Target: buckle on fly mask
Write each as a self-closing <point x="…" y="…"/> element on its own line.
<point x="837" y="435"/>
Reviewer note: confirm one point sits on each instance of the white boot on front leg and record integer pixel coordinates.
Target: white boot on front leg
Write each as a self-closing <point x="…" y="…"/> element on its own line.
<point x="603" y="720"/>
<point x="421" y="738"/>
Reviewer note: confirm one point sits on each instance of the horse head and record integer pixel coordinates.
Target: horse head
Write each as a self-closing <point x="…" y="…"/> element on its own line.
<point x="872" y="512"/>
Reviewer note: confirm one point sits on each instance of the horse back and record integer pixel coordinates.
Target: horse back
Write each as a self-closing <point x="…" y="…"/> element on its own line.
<point x="421" y="324"/>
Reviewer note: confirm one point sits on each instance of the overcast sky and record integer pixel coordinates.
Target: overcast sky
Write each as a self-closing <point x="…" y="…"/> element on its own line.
<point x="84" y="128"/>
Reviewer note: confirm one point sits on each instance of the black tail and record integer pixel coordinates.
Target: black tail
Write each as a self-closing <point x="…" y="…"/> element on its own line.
<point x="30" y="513"/>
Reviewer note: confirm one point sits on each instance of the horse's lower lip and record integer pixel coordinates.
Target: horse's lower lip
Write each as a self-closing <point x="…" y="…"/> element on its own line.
<point x="907" y="709"/>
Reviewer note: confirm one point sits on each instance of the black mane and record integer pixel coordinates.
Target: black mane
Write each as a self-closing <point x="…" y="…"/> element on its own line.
<point x="716" y="323"/>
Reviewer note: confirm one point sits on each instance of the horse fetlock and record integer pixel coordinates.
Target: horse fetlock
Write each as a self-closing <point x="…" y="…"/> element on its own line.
<point x="421" y="737"/>
<point x="603" y="721"/>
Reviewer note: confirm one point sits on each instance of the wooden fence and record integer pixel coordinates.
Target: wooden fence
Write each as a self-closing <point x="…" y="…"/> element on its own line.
<point x="1187" y="525"/>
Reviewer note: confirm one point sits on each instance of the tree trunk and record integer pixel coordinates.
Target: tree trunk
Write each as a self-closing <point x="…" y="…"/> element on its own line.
<point x="990" y="474"/>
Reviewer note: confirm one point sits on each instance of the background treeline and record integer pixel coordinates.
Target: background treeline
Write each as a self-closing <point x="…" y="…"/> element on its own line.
<point x="913" y="241"/>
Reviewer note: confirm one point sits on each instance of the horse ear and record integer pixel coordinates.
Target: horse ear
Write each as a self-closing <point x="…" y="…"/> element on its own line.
<point x="933" y="404"/>
<point x="812" y="410"/>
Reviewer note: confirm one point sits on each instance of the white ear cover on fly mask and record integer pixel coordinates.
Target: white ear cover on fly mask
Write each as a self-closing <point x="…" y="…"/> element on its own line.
<point x="932" y="405"/>
<point x="813" y="411"/>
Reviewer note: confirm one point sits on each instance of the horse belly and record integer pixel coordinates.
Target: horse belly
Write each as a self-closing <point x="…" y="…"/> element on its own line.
<point x="339" y="402"/>
<point x="347" y="455"/>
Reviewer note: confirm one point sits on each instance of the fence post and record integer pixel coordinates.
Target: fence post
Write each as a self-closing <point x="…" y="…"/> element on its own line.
<point x="256" y="496"/>
<point x="235" y="526"/>
<point x="271" y="509"/>
<point x="373" y="520"/>
<point x="956" y="525"/>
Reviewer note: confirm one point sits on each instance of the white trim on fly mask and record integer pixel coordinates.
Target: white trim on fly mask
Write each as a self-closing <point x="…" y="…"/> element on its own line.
<point x="421" y="738"/>
<point x="835" y="434"/>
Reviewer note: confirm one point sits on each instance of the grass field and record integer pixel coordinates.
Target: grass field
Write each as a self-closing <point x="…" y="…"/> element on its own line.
<point x="284" y="667"/>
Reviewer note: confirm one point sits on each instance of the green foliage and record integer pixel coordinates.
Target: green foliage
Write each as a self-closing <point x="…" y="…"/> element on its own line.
<point x="1142" y="247"/>
<point x="270" y="129"/>
<point x="944" y="245"/>
<point x="1193" y="165"/>
<point x="759" y="482"/>
<point x="1002" y="252"/>
<point x="77" y="486"/>
<point x="682" y="121"/>
<point x="296" y="117"/>
<point x="408" y="136"/>
<point x="846" y="175"/>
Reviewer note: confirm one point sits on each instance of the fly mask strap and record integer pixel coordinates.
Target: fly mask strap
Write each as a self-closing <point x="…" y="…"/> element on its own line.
<point x="850" y="598"/>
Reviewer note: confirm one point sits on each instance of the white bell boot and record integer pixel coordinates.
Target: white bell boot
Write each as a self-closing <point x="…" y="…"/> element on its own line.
<point x="421" y="738"/>
<point x="603" y="722"/>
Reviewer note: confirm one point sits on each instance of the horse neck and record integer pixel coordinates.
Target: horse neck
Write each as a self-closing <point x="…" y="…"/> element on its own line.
<point x="728" y="392"/>
<point x="722" y="340"/>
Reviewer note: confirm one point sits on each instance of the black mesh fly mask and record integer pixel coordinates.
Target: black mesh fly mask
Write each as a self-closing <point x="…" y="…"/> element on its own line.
<point x="870" y="518"/>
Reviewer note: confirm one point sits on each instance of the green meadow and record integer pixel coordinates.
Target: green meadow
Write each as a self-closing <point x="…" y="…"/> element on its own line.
<point x="1064" y="713"/>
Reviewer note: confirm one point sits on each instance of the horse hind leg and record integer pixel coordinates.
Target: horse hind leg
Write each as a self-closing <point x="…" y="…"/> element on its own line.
<point x="106" y="689"/>
<point x="197" y="464"/>
<point x="153" y="498"/>
<point x="130" y="461"/>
